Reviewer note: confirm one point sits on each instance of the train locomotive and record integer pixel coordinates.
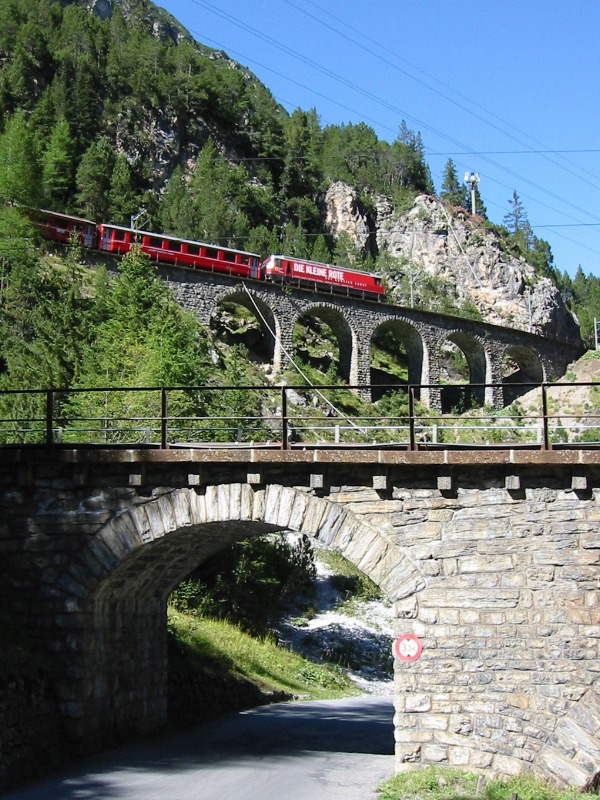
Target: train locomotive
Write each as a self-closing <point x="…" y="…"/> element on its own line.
<point x="166" y="249"/>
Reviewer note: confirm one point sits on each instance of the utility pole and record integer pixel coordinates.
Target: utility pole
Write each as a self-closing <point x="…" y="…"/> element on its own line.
<point x="596" y="332"/>
<point x="472" y="179"/>
<point x="134" y="218"/>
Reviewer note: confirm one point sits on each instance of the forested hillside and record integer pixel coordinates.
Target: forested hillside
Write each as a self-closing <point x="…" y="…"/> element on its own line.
<point x="108" y="108"/>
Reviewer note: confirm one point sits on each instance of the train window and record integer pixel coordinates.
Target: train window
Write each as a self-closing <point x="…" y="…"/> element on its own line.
<point x="154" y="241"/>
<point x="244" y="259"/>
<point x="229" y="256"/>
<point x="193" y="249"/>
<point x="120" y="235"/>
<point x="211" y="253"/>
<point x="174" y="246"/>
<point x="277" y="262"/>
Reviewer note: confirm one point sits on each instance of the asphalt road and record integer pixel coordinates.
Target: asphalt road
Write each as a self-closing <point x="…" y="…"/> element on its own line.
<point x="329" y="750"/>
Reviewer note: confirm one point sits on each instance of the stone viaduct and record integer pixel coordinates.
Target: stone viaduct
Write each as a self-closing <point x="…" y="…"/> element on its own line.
<point x="492" y="558"/>
<point x="487" y="348"/>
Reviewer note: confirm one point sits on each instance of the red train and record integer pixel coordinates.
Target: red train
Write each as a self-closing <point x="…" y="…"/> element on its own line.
<point x="167" y="249"/>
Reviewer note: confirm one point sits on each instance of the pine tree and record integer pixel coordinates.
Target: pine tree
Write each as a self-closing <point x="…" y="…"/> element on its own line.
<point x="320" y="251"/>
<point x="58" y="167"/>
<point x="453" y="192"/>
<point x="516" y="217"/>
<point x="18" y="163"/>
<point x="122" y="197"/>
<point x="94" y="180"/>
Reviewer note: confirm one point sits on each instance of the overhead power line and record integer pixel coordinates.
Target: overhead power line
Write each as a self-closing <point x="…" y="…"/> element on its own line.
<point x="401" y="113"/>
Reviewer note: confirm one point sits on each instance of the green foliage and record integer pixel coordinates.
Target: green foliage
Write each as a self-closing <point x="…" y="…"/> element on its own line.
<point x="94" y="180"/>
<point x="435" y="783"/>
<point x="212" y="647"/>
<point x="246" y="583"/>
<point x="44" y="321"/>
<point x="582" y="294"/>
<point x="348" y="579"/>
<point x="453" y="191"/>
<point x="58" y="166"/>
<point x="18" y="162"/>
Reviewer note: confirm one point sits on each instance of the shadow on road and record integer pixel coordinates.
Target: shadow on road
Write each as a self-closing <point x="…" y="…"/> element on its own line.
<point x="285" y="732"/>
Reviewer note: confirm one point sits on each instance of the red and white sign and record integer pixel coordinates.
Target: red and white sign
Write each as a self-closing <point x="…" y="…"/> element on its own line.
<point x="408" y="647"/>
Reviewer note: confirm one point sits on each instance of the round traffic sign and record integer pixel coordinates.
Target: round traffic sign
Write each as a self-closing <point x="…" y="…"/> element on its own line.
<point x="408" y="647"/>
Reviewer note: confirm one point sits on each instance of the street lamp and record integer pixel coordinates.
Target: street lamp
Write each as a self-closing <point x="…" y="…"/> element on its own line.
<point x="472" y="178"/>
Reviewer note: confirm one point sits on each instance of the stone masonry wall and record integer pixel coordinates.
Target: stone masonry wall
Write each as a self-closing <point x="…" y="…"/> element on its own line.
<point x="491" y="558"/>
<point x="509" y="622"/>
<point x="354" y="322"/>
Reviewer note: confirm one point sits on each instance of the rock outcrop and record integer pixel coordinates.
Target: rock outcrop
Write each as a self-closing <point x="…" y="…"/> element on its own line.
<point x="449" y="244"/>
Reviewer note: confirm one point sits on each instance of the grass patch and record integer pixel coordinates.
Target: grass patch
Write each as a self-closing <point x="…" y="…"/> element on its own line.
<point x="216" y="646"/>
<point x="348" y="579"/>
<point x="445" y="783"/>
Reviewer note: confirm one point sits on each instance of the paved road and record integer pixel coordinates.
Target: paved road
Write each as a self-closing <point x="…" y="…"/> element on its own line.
<point x="329" y="750"/>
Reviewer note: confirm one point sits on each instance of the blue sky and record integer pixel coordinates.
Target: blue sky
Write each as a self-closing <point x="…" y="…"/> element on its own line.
<point x="509" y="90"/>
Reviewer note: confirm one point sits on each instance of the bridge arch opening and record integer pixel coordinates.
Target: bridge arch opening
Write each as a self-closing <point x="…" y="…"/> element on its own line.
<point x="126" y="573"/>
<point x="396" y="356"/>
<point x="522" y="369"/>
<point x="323" y="340"/>
<point x="245" y="321"/>
<point x="462" y="360"/>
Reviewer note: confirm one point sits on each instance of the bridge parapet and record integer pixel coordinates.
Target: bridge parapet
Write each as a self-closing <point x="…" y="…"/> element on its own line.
<point x="492" y="558"/>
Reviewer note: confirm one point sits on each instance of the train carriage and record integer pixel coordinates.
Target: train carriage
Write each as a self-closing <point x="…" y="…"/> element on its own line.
<point x="64" y="227"/>
<point x="181" y="252"/>
<point x="118" y="240"/>
<point x="314" y="274"/>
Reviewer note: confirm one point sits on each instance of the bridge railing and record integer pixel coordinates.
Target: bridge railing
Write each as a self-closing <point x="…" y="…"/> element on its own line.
<point x="544" y="416"/>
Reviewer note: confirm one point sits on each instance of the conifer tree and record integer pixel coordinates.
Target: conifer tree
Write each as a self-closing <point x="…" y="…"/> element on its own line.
<point x="93" y="180"/>
<point x="58" y="167"/>
<point x="453" y="192"/>
<point x="18" y="163"/>
<point x="122" y="198"/>
<point x="320" y="251"/>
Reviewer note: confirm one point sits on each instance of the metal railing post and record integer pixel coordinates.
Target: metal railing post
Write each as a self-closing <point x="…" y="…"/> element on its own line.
<point x="547" y="445"/>
<point x="49" y="417"/>
<point x="284" y="420"/>
<point x="411" y="418"/>
<point x="163" y="419"/>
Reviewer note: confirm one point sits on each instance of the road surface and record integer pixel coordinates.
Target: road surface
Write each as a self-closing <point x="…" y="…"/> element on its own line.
<point x="328" y="750"/>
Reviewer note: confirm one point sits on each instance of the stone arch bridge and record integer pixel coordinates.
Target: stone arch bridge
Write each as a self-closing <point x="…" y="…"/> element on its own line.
<point x="487" y="348"/>
<point x="492" y="558"/>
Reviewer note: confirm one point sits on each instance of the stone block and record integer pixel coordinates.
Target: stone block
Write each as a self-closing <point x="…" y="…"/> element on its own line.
<point x="380" y="482"/>
<point x="317" y="480"/>
<point x="444" y="483"/>
<point x="512" y="483"/>
<point x="418" y="703"/>
<point x="433" y="754"/>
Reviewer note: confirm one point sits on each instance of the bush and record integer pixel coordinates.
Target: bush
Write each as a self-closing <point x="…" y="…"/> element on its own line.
<point x="246" y="583"/>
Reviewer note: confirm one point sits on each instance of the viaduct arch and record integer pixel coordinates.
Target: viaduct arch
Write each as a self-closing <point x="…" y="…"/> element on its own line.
<point x="491" y="558"/>
<point x="488" y="349"/>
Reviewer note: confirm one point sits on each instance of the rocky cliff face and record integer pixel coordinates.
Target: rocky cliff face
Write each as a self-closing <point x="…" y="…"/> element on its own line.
<point x="451" y="245"/>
